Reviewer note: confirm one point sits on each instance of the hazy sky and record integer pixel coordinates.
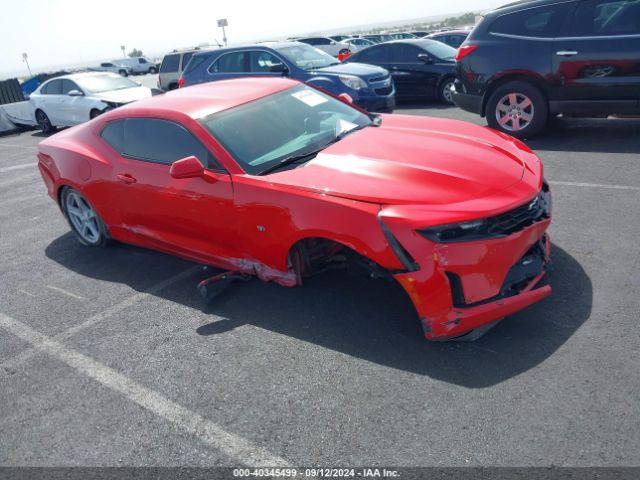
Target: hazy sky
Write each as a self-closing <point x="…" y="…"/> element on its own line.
<point x="59" y="32"/>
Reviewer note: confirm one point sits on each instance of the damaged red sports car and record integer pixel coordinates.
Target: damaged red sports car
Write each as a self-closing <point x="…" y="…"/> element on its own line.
<point x="273" y="178"/>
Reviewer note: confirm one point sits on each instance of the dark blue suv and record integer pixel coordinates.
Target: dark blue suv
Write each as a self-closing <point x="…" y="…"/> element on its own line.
<point x="369" y="86"/>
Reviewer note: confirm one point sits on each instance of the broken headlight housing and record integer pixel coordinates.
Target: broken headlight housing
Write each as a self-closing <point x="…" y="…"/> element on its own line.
<point x="459" y="232"/>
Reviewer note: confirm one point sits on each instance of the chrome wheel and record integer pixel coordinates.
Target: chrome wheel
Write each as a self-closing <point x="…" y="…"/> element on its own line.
<point x="447" y="91"/>
<point x="82" y="217"/>
<point x="514" y="112"/>
<point x="43" y="121"/>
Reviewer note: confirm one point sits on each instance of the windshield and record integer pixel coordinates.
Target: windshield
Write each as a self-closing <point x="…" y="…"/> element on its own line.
<point x="307" y="57"/>
<point x="296" y="121"/>
<point x="105" y="83"/>
<point x="441" y="50"/>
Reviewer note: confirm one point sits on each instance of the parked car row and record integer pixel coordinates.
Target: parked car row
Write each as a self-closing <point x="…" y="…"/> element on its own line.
<point x="128" y="66"/>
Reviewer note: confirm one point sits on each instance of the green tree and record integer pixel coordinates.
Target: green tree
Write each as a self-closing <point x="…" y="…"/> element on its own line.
<point x="135" y="53"/>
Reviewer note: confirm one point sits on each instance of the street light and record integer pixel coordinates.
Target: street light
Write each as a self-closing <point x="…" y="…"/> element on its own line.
<point x="25" y="59"/>
<point x="223" y="23"/>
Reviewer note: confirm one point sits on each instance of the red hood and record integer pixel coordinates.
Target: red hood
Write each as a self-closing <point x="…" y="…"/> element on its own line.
<point x="413" y="160"/>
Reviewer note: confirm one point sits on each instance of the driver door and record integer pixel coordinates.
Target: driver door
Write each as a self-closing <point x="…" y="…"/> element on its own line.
<point x="191" y="216"/>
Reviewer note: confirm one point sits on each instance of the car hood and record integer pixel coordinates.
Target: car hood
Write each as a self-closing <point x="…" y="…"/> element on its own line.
<point x="125" y="95"/>
<point x="358" y="69"/>
<point x="413" y="160"/>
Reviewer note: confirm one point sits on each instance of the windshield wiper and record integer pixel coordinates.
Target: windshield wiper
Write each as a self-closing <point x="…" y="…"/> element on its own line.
<point x="290" y="160"/>
<point x="309" y="155"/>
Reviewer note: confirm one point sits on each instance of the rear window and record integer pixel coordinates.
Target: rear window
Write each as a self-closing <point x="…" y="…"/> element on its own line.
<point x="170" y="63"/>
<point x="541" y="22"/>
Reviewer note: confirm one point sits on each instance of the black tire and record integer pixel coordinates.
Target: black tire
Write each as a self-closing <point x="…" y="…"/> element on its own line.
<point x="173" y="86"/>
<point x="123" y="73"/>
<point x="501" y="104"/>
<point x="101" y="238"/>
<point x="43" y="122"/>
<point x="444" y="90"/>
<point x="94" y="113"/>
<point x="153" y="70"/>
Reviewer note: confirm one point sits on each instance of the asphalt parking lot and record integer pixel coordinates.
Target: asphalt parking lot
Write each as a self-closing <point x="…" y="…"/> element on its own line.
<point x="109" y="357"/>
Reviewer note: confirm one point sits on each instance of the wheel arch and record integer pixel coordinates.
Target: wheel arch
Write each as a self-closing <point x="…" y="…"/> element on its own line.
<point x="531" y="78"/>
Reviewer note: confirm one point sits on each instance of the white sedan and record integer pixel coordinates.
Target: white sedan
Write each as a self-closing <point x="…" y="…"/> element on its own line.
<point x="73" y="99"/>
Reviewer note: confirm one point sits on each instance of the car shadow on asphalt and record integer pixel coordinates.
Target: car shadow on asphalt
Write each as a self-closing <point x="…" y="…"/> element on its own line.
<point x="368" y="319"/>
<point x="611" y="135"/>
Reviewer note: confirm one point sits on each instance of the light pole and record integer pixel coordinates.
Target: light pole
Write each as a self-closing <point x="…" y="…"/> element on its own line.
<point x="25" y="59"/>
<point x="122" y="47"/>
<point x="223" y="23"/>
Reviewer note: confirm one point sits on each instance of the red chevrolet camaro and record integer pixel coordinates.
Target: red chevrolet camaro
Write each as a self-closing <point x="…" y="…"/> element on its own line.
<point x="273" y="178"/>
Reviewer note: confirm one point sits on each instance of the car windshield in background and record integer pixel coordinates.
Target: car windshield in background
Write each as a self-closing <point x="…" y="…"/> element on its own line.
<point x="296" y="121"/>
<point x="307" y="57"/>
<point x="105" y="83"/>
<point x="440" y="50"/>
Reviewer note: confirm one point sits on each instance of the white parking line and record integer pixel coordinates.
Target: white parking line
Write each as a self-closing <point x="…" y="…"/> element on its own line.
<point x="18" y="167"/>
<point x="64" y="292"/>
<point x="98" y="317"/>
<point x="209" y="432"/>
<point x="595" y="185"/>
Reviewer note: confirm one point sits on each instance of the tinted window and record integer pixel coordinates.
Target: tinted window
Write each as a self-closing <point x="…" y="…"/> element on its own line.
<point x="309" y="41"/>
<point x="185" y="59"/>
<point x="162" y="141"/>
<point x="402" y="53"/>
<point x="53" y="88"/>
<point x="606" y="17"/>
<point x="375" y="54"/>
<point x="541" y="22"/>
<point x="142" y="60"/>
<point x="170" y="63"/>
<point x="194" y="63"/>
<point x="231" y="63"/>
<point x="260" y="61"/>
<point x="323" y="41"/>
<point x="106" y="65"/>
<point x="113" y="134"/>
<point x="67" y="86"/>
<point x="454" y="40"/>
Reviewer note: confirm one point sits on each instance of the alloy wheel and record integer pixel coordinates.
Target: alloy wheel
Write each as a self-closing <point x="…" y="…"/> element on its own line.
<point x="514" y="112"/>
<point x="447" y="93"/>
<point x="43" y="121"/>
<point x="82" y="217"/>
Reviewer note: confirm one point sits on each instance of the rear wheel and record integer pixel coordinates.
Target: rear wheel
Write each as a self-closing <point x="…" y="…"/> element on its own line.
<point x="153" y="70"/>
<point x="43" y="122"/>
<point x="446" y="94"/>
<point x="83" y="219"/>
<point x="517" y="108"/>
<point x="123" y="73"/>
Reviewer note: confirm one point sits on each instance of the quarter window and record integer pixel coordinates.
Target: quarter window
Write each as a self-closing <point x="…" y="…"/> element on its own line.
<point x="606" y="17"/>
<point x="67" y="86"/>
<point x="185" y="59"/>
<point x="113" y="134"/>
<point x="54" y="87"/>
<point x="542" y="22"/>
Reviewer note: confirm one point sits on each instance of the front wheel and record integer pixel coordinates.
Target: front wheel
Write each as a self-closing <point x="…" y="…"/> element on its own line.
<point x="153" y="70"/>
<point x="84" y="220"/>
<point x="518" y="109"/>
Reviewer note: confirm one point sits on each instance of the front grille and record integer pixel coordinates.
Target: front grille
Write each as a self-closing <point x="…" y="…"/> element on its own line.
<point x="523" y="216"/>
<point x="379" y="79"/>
<point x="384" y="91"/>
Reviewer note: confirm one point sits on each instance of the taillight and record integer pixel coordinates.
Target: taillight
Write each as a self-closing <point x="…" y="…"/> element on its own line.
<point x="181" y="82"/>
<point x="465" y="50"/>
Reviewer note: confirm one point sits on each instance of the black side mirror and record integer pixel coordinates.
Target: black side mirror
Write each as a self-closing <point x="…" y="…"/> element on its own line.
<point x="279" y="68"/>
<point x="425" y="58"/>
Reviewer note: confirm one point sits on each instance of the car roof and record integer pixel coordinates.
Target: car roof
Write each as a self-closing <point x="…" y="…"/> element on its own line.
<point x="76" y="76"/>
<point x="205" y="99"/>
<point x="421" y="42"/>
<point x="270" y="44"/>
<point x="458" y="31"/>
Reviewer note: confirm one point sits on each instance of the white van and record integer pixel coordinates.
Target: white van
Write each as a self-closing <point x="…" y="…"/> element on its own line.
<point x="138" y="64"/>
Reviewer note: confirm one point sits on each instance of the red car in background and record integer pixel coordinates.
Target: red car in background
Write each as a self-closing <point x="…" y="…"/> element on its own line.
<point x="273" y="178"/>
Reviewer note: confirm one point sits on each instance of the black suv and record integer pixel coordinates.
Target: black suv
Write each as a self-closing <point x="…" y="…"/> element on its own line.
<point x="528" y="60"/>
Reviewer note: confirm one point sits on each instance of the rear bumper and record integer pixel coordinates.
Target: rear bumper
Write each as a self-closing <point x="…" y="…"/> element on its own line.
<point x="470" y="103"/>
<point x="470" y="285"/>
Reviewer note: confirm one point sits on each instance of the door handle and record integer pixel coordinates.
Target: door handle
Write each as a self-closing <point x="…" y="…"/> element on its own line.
<point x="126" y="178"/>
<point x="566" y="53"/>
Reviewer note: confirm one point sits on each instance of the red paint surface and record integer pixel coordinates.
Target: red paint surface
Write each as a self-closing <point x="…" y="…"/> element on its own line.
<point x="414" y="172"/>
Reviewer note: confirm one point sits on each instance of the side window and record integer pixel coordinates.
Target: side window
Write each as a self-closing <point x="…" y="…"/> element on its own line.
<point x="142" y="60"/>
<point x="261" y="61"/>
<point x="231" y="63"/>
<point x="162" y="141"/>
<point x="194" y="63"/>
<point x="541" y="22"/>
<point x="67" y="86"/>
<point x="53" y="88"/>
<point x="113" y="134"/>
<point x="323" y="41"/>
<point x="170" y="63"/>
<point x="403" y="53"/>
<point x="106" y="64"/>
<point x="606" y="17"/>
<point x="309" y="41"/>
<point x="185" y="60"/>
<point x="378" y="54"/>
